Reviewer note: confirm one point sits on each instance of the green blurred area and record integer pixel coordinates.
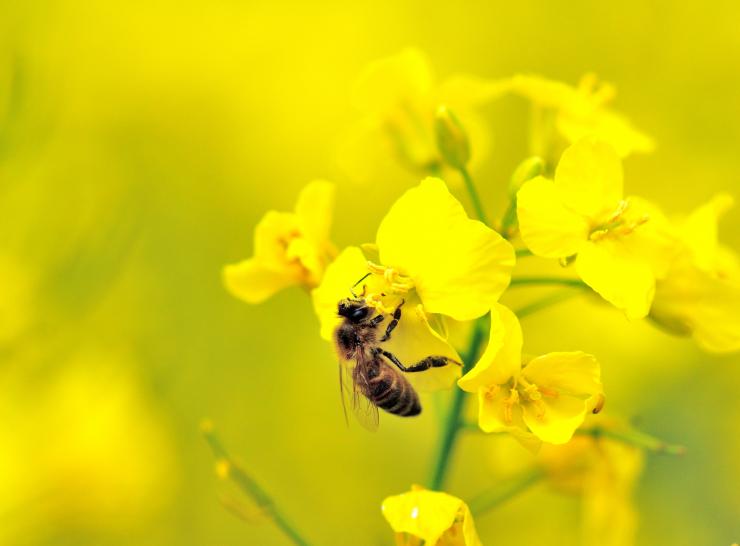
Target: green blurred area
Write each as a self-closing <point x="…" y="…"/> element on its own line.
<point x="141" y="142"/>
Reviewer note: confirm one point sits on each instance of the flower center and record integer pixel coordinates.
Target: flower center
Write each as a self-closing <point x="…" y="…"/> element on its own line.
<point x="521" y="392"/>
<point x="397" y="281"/>
<point x="618" y="224"/>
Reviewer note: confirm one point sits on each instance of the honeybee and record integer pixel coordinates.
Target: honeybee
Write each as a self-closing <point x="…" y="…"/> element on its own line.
<point x="377" y="378"/>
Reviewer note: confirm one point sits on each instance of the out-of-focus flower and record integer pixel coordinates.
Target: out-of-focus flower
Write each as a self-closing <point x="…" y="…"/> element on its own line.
<point x="604" y="473"/>
<point x="436" y="518"/>
<point x="290" y="248"/>
<point x="399" y="99"/>
<point x="435" y="258"/>
<point x="622" y="245"/>
<point x="84" y="451"/>
<point x="583" y="111"/>
<point x="542" y="399"/>
<point x="700" y="295"/>
<point x="17" y="294"/>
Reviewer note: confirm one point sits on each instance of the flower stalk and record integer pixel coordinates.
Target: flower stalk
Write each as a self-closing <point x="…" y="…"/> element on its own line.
<point x="227" y="468"/>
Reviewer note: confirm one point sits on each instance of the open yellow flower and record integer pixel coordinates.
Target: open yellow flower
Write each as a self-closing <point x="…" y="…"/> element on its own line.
<point x="542" y="399"/>
<point x="434" y="258"/>
<point x="582" y="111"/>
<point x="290" y="248"/>
<point x="399" y="98"/>
<point x="622" y="245"/>
<point x="604" y="473"/>
<point x="436" y="518"/>
<point x="700" y="295"/>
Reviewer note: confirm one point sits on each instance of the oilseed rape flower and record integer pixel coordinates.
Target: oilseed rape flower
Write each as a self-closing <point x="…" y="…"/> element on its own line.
<point x="432" y="257"/>
<point x="545" y="398"/>
<point x="290" y="248"/>
<point x="399" y="98"/>
<point x="583" y="111"/>
<point x="436" y="518"/>
<point x="700" y="294"/>
<point x="621" y="245"/>
<point x="604" y="473"/>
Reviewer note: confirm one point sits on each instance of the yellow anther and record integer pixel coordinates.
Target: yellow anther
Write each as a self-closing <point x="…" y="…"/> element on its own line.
<point x="509" y="404"/>
<point x="492" y="392"/>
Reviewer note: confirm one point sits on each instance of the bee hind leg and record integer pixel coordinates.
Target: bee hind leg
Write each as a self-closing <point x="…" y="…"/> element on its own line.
<point x="424" y="364"/>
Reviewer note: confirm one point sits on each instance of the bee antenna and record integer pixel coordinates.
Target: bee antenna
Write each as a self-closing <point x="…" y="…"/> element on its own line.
<point x="362" y="279"/>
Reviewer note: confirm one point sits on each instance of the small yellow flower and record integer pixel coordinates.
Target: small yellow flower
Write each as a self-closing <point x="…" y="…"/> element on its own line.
<point x="436" y="518"/>
<point x="604" y="473"/>
<point x="700" y="295"/>
<point x="399" y="100"/>
<point x="436" y="259"/>
<point x="290" y="248"/>
<point x="544" y="399"/>
<point x="582" y="111"/>
<point x="622" y="245"/>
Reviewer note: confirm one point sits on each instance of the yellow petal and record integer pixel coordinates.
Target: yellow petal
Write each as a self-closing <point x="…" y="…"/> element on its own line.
<point x="547" y="226"/>
<point x="429" y="515"/>
<point x="556" y="425"/>
<point x="608" y="127"/>
<point x="459" y="266"/>
<point x="463" y="91"/>
<point x="253" y="282"/>
<point x="574" y="373"/>
<point x="503" y="355"/>
<point x="618" y="276"/>
<point x="389" y="82"/>
<point x="699" y="231"/>
<point x="692" y="301"/>
<point x="495" y="414"/>
<point x="589" y="178"/>
<point x="271" y="236"/>
<point x="314" y="209"/>
<point x="348" y="268"/>
<point x="655" y="241"/>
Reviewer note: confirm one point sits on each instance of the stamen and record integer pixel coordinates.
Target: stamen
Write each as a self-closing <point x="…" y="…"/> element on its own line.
<point x="509" y="404"/>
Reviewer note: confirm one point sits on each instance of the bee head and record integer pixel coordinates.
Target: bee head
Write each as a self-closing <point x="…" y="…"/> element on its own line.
<point x="355" y="310"/>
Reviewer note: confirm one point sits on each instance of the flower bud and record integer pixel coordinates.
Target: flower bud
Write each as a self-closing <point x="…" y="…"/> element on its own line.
<point x="452" y="140"/>
<point x="527" y="170"/>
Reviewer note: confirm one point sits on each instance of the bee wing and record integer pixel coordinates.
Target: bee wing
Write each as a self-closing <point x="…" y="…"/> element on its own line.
<point x="351" y="384"/>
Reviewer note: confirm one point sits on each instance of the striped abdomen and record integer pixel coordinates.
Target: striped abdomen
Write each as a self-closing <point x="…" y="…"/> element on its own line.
<point x="388" y="389"/>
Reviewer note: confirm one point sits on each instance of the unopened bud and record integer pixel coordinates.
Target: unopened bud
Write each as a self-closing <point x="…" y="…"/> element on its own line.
<point x="452" y="140"/>
<point x="527" y="170"/>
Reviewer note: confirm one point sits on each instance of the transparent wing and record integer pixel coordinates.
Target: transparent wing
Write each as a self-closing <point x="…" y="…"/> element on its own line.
<point x="352" y="381"/>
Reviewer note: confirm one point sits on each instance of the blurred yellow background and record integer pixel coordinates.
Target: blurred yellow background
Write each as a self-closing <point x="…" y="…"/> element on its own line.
<point x="140" y="143"/>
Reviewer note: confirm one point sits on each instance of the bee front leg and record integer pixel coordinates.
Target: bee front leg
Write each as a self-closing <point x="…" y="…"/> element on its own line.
<point x="393" y="323"/>
<point x="424" y="364"/>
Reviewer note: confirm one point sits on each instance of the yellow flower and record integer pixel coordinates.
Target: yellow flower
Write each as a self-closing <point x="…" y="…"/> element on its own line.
<point x="543" y="399"/>
<point x="582" y="111"/>
<point x="604" y="473"/>
<point x="700" y="295"/>
<point x="290" y="248"/>
<point x="622" y="245"/>
<point x="399" y="99"/>
<point x="432" y="256"/>
<point x="436" y="518"/>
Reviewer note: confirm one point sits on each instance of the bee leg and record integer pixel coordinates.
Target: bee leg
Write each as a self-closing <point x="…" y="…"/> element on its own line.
<point x="377" y="319"/>
<point x="424" y="364"/>
<point x="393" y="323"/>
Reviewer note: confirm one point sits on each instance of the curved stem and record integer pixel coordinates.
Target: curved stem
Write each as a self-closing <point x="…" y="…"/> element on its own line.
<point x="635" y="438"/>
<point x="545" y="302"/>
<point x="227" y="468"/>
<point x="544" y="281"/>
<point x="454" y="422"/>
<point x="474" y="197"/>
<point x="504" y="491"/>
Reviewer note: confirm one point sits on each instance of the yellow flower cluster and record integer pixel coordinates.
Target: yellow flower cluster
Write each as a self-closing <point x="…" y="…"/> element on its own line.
<point x="443" y="267"/>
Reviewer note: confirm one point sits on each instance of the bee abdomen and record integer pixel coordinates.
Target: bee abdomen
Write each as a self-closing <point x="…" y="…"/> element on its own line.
<point x="392" y="392"/>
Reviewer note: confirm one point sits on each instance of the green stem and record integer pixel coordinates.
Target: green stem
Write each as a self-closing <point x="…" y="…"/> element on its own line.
<point x="635" y="438"/>
<point x="544" y="303"/>
<point x="454" y="421"/>
<point x="523" y="252"/>
<point x="504" y="491"/>
<point x="474" y="197"/>
<point x="250" y="487"/>
<point x="545" y="281"/>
